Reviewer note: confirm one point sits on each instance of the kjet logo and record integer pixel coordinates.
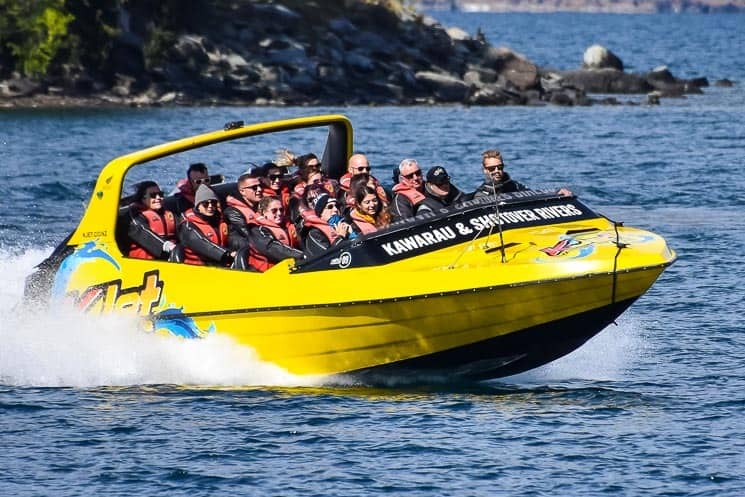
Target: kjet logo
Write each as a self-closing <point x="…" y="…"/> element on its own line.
<point x="343" y="261"/>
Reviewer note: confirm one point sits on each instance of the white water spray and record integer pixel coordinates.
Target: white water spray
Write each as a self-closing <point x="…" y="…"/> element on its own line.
<point x="60" y="347"/>
<point x="609" y="356"/>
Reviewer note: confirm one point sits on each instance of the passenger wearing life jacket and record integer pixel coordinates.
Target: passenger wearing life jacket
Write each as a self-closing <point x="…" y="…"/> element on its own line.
<point x="270" y="242"/>
<point x="439" y="193"/>
<point x="368" y="214"/>
<point x="358" y="164"/>
<point x="203" y="233"/>
<point x="276" y="183"/>
<point x="197" y="174"/>
<point x="241" y="207"/>
<point x="325" y="227"/>
<point x="409" y="192"/>
<point x="151" y="229"/>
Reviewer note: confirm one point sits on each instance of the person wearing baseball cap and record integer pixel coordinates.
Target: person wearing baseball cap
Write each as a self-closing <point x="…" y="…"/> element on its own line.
<point x="439" y="193"/>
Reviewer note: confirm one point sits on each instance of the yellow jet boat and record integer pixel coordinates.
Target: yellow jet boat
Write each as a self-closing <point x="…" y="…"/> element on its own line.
<point x="488" y="288"/>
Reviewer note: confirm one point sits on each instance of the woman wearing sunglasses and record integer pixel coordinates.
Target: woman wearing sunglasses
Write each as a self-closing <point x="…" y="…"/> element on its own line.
<point x="269" y="240"/>
<point x="151" y="229"/>
<point x="203" y="231"/>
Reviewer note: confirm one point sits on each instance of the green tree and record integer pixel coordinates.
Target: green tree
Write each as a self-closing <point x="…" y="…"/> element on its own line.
<point x="33" y="31"/>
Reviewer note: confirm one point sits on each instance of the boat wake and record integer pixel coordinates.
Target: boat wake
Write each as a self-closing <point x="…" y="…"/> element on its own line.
<point x="59" y="347"/>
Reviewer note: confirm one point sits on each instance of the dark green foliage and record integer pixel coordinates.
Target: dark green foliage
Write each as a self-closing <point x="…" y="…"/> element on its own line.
<point x="31" y="33"/>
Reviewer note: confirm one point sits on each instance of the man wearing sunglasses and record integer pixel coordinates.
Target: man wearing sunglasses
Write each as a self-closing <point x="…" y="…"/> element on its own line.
<point x="496" y="180"/>
<point x="242" y="207"/>
<point x="356" y="165"/>
<point x="203" y="232"/>
<point x="408" y="192"/>
<point x="197" y="174"/>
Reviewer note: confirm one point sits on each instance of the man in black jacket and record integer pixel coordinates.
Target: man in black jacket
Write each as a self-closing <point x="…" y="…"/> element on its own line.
<point x="242" y="206"/>
<point x="439" y="193"/>
<point x="496" y="180"/>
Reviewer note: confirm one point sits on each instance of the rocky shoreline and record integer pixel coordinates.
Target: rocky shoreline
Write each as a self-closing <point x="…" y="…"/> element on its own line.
<point x="354" y="54"/>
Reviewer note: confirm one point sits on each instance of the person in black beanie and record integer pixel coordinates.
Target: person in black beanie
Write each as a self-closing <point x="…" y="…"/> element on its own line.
<point x="326" y="228"/>
<point x="203" y="231"/>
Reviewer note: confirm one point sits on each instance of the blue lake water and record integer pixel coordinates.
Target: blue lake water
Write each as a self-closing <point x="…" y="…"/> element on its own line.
<point x="654" y="405"/>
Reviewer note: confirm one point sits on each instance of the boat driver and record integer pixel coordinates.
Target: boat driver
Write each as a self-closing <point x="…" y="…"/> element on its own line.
<point x="496" y="180"/>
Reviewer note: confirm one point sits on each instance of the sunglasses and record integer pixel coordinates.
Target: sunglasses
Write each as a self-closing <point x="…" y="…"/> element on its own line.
<point x="362" y="169"/>
<point x="276" y="210"/>
<point x="275" y="177"/>
<point x="257" y="186"/>
<point x="155" y="195"/>
<point x="331" y="206"/>
<point x="202" y="181"/>
<point x="418" y="172"/>
<point x="491" y="169"/>
<point x="209" y="203"/>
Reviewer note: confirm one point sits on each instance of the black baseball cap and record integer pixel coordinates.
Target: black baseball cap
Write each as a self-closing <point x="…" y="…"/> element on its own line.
<point x="438" y="176"/>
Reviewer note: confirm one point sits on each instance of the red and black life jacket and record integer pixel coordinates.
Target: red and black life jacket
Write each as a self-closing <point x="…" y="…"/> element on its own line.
<point x="345" y="182"/>
<point x="258" y="260"/>
<point x="245" y="209"/>
<point x="313" y="221"/>
<point x="415" y="196"/>
<point x="217" y="236"/>
<point x="162" y="224"/>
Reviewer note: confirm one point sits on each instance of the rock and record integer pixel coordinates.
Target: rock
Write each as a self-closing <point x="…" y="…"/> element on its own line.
<point x="371" y="43"/>
<point x="190" y="51"/>
<point x="304" y="83"/>
<point x="490" y="95"/>
<point x="599" y="57"/>
<point x="561" y="98"/>
<point x="473" y="78"/>
<point x="661" y="79"/>
<point x="606" y="81"/>
<point x="168" y="98"/>
<point x="331" y="74"/>
<point x="552" y="81"/>
<point x="515" y="69"/>
<point x="446" y="88"/>
<point x="699" y="82"/>
<point x="19" y="87"/>
<point x="653" y="98"/>
<point x="359" y="62"/>
<point x="457" y="34"/>
<point x="276" y="14"/>
<point x="342" y="26"/>
<point x="236" y="63"/>
<point x="288" y="57"/>
<point x="123" y="85"/>
<point x="723" y="83"/>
